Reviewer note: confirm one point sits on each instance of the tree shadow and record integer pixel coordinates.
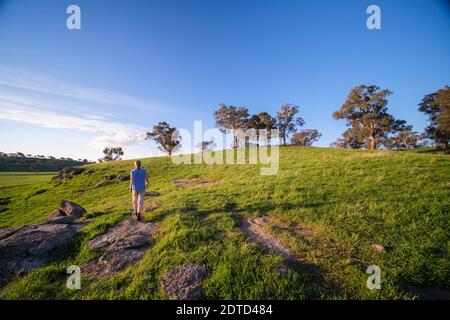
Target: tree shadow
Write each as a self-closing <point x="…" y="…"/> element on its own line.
<point x="261" y="209"/>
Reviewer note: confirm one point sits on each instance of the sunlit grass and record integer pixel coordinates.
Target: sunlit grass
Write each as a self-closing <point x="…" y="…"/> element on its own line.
<point x="353" y="199"/>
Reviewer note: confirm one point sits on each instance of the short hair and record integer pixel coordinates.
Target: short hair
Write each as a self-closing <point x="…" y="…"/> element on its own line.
<point x="138" y="163"/>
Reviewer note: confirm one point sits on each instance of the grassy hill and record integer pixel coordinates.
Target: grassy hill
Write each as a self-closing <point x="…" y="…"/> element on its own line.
<point x="349" y="199"/>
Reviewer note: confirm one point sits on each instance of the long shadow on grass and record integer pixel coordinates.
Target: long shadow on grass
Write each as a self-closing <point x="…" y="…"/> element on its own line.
<point x="260" y="209"/>
<point x="313" y="277"/>
<point x="232" y="207"/>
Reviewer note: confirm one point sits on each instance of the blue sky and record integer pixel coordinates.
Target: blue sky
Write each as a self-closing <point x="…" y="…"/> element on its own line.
<point x="70" y="92"/>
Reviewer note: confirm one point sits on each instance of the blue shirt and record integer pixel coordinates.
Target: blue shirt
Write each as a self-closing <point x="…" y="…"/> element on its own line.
<point x="138" y="177"/>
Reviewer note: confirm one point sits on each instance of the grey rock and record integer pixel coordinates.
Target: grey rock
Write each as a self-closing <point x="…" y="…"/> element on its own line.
<point x="68" y="172"/>
<point x="123" y="178"/>
<point x="61" y="220"/>
<point x="27" y="247"/>
<point x="184" y="283"/>
<point x="5" y="233"/>
<point x="123" y="245"/>
<point x="132" y="241"/>
<point x="57" y="213"/>
<point x="72" y="209"/>
<point x="121" y="232"/>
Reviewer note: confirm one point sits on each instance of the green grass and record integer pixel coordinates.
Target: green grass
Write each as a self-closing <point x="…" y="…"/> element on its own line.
<point x="351" y="199"/>
<point x="12" y="179"/>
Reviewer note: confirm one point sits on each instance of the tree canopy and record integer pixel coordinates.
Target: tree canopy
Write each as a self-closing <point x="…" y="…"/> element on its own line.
<point x="437" y="107"/>
<point x="305" y="137"/>
<point x="112" y="154"/>
<point x="166" y="136"/>
<point x="366" y="113"/>
<point x="286" y="121"/>
<point x="231" y="118"/>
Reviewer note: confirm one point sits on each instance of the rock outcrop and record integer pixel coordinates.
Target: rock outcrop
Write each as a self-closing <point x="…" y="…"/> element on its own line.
<point x="184" y="283"/>
<point x="27" y="247"/>
<point x="68" y="172"/>
<point x="67" y="208"/>
<point x="111" y="178"/>
<point x="123" y="245"/>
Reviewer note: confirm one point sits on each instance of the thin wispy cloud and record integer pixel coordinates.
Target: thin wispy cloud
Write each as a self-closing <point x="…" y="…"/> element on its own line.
<point x="108" y="132"/>
<point x="45" y="84"/>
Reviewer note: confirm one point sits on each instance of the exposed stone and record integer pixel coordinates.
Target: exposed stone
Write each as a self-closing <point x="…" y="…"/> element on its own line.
<point x="123" y="245"/>
<point x="123" y="178"/>
<point x="5" y="233"/>
<point x="122" y="230"/>
<point x="27" y="247"/>
<point x="113" y="261"/>
<point x="184" y="283"/>
<point x="72" y="209"/>
<point x="379" y="248"/>
<point x="61" y="220"/>
<point x="68" y="172"/>
<point x="57" y="213"/>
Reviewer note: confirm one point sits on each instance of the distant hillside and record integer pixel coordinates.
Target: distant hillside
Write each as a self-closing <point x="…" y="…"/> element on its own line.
<point x="19" y="162"/>
<point x="331" y="212"/>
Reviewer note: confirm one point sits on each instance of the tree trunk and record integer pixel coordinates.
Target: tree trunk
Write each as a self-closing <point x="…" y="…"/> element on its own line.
<point x="373" y="143"/>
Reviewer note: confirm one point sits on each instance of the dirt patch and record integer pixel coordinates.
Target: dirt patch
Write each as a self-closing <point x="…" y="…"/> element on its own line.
<point x="184" y="283"/>
<point x="195" y="182"/>
<point x="297" y="228"/>
<point x="255" y="231"/>
<point x="123" y="245"/>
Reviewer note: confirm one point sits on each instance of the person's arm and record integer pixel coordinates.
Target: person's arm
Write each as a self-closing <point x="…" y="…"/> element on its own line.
<point x="146" y="179"/>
